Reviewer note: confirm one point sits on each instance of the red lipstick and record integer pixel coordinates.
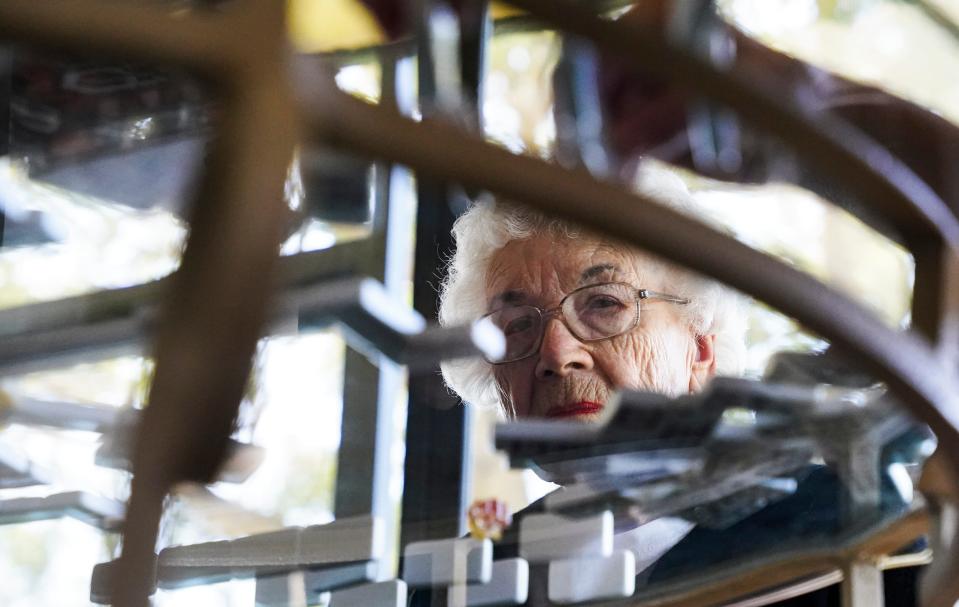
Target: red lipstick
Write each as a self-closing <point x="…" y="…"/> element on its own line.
<point x="575" y="409"/>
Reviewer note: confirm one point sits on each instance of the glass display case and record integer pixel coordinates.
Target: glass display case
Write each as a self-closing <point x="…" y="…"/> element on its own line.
<point x="278" y="283"/>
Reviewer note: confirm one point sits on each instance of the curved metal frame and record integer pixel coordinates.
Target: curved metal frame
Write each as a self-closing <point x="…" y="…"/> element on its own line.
<point x="242" y="51"/>
<point x="640" y="221"/>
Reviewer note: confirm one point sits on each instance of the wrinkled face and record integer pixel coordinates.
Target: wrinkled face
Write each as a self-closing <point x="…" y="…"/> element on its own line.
<point x="571" y="379"/>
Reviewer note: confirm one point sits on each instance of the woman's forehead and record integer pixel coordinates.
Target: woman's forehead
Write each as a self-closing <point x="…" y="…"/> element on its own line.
<point x="548" y="265"/>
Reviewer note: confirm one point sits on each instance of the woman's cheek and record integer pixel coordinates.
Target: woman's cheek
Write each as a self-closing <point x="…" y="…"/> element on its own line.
<point x="653" y="361"/>
<point x="515" y="388"/>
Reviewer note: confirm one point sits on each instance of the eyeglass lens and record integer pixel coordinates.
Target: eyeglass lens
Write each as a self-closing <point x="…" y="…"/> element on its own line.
<point x="591" y="313"/>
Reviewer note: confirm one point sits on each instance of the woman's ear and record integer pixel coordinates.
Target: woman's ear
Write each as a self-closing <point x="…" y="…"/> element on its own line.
<point x="704" y="363"/>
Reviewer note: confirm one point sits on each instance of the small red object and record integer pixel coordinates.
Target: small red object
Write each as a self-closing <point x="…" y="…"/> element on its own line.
<point x="488" y="518"/>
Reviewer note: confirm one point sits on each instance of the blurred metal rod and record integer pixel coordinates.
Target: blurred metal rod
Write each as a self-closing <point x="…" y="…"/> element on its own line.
<point x="406" y="47"/>
<point x="16" y="470"/>
<point x="66" y="415"/>
<point x="912" y="370"/>
<point x="101" y="512"/>
<point x="378" y="323"/>
<point x="938" y="15"/>
<point x="203" y="42"/>
<point x="832" y="146"/>
<point x="355" y="543"/>
<point x="375" y="322"/>
<point x="218" y="304"/>
<point x="116" y="322"/>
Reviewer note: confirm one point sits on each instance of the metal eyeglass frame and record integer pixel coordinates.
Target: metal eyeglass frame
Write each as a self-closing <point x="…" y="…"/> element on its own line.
<point x="640" y="294"/>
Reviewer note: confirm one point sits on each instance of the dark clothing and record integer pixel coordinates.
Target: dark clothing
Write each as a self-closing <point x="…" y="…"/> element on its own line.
<point x="809" y="518"/>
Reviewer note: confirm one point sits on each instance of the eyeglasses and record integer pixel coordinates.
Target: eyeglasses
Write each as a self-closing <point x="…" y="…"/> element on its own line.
<point x="591" y="313"/>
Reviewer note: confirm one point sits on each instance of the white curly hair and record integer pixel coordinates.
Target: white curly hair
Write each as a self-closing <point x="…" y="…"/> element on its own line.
<point x="487" y="226"/>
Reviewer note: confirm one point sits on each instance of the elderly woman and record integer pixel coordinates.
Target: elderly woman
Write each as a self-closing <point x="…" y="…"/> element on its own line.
<point x="582" y="315"/>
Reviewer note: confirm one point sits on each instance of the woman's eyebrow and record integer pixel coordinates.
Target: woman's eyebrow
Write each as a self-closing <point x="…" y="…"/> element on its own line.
<point x="596" y="270"/>
<point x="512" y="296"/>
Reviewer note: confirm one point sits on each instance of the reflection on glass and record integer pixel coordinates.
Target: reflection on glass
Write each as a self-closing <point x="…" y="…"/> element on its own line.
<point x="876" y="43"/>
<point x="106" y="154"/>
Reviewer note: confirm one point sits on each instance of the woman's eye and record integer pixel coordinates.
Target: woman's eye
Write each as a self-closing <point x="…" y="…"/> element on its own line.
<point x="518" y="326"/>
<point x="604" y="302"/>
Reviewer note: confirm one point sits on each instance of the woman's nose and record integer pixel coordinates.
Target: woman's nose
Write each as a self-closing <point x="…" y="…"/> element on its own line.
<point x="560" y="352"/>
